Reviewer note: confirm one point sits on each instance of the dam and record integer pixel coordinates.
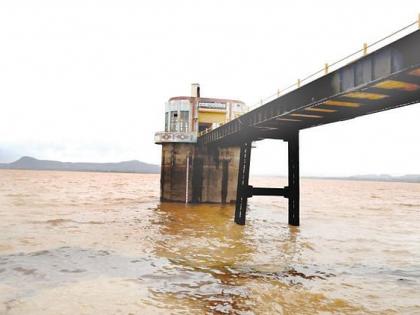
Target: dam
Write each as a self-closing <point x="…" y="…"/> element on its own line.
<point x="207" y="143"/>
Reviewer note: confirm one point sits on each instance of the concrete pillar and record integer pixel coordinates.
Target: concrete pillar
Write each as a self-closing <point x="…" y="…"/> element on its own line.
<point x="174" y="185"/>
<point x="212" y="173"/>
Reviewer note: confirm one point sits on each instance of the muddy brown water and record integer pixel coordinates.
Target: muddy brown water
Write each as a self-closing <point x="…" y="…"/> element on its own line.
<point x="98" y="243"/>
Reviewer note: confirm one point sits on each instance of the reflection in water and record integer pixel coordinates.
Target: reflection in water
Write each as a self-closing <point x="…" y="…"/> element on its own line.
<point x="206" y="244"/>
<point x="103" y="244"/>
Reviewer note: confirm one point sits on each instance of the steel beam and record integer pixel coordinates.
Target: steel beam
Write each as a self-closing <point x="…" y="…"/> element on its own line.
<point x="242" y="193"/>
<point x="267" y="191"/>
<point x="293" y="188"/>
<point x="385" y="79"/>
<point x="245" y="191"/>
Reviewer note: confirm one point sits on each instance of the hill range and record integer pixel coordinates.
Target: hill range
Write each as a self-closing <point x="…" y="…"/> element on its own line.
<point x="134" y="166"/>
<point x="30" y="163"/>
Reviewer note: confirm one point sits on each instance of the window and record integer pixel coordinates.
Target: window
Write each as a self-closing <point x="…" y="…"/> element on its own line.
<point x="177" y="121"/>
<point x="166" y="121"/>
<point x="174" y="121"/>
<point x="184" y="120"/>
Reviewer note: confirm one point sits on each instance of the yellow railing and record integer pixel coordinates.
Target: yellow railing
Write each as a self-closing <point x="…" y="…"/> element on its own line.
<point x="327" y="67"/>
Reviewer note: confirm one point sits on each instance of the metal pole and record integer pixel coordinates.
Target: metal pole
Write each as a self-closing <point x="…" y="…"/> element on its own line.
<point x="186" y="179"/>
<point x="293" y="195"/>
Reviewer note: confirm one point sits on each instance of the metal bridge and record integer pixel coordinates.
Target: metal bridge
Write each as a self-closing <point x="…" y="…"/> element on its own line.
<point x="384" y="79"/>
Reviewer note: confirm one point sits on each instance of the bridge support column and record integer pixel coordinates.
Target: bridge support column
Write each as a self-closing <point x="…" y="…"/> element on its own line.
<point x="242" y="192"/>
<point x="245" y="191"/>
<point x="293" y="188"/>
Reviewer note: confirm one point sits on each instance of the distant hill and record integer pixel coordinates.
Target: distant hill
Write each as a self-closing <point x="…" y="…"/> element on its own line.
<point x="378" y="178"/>
<point x="414" y="178"/>
<point x="388" y="178"/>
<point x="30" y="163"/>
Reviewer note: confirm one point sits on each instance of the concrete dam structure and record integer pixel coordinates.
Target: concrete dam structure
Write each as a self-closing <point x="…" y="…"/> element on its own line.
<point x="207" y="142"/>
<point x="190" y="172"/>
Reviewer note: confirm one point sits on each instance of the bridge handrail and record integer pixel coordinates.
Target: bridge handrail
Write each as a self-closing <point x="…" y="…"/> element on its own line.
<point x="325" y="70"/>
<point x="327" y="66"/>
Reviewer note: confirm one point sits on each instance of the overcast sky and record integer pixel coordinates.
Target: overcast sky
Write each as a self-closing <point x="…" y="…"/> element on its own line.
<point x="87" y="80"/>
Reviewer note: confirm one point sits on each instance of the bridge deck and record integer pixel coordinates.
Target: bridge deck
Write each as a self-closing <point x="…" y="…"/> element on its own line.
<point x="385" y="79"/>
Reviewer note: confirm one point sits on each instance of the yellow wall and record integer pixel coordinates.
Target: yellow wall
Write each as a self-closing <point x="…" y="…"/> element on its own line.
<point x="213" y="117"/>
